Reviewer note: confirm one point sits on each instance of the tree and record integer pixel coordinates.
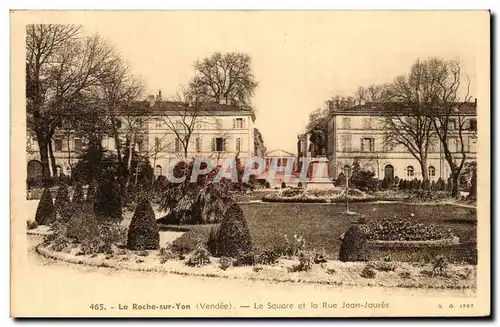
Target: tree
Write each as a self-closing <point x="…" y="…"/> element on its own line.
<point x="143" y="232"/>
<point x="407" y="122"/>
<point x="224" y="77"/>
<point x="233" y="237"/>
<point x="362" y="179"/>
<point x="447" y="112"/>
<point x="45" y="212"/>
<point x="62" y="201"/>
<point x="78" y="196"/>
<point x="59" y="67"/>
<point x="108" y="199"/>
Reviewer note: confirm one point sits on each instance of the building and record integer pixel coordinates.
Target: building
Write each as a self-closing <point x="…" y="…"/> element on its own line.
<point x="217" y="131"/>
<point x="357" y="132"/>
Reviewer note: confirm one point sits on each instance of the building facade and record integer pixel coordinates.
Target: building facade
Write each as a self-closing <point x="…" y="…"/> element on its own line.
<point x="217" y="131"/>
<point x="358" y="133"/>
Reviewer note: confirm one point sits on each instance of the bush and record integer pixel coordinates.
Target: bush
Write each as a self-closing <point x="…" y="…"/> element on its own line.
<point x="234" y="236"/>
<point x="368" y="272"/>
<point x="283" y="185"/>
<point x="45" y="212"/>
<point x="108" y="201"/>
<point x="91" y="192"/>
<point x="440" y="266"/>
<point x="62" y="202"/>
<point x="363" y="179"/>
<point x="404" y="230"/>
<point x="405" y="274"/>
<point x="269" y="257"/>
<point x="166" y="254"/>
<point x="82" y="225"/>
<point x="305" y="262"/>
<point x="31" y="224"/>
<point x="191" y="240"/>
<point x="319" y="258"/>
<point x="383" y="266"/>
<point x="199" y="257"/>
<point x="143" y="232"/>
<point x="354" y="245"/>
<point x="225" y="263"/>
<point x="78" y="196"/>
<point x="299" y="184"/>
<point x="245" y="259"/>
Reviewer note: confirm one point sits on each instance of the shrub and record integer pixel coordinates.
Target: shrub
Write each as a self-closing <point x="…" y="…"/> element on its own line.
<point x="62" y="202"/>
<point x="225" y="262"/>
<point x="404" y="230"/>
<point x="82" y="225"/>
<point x="363" y="179"/>
<point x="383" y="266"/>
<point x="45" y="212"/>
<point x="234" y="236"/>
<point x="91" y="191"/>
<point x="166" y="254"/>
<point x="354" y="245"/>
<point x="191" y="240"/>
<point x="440" y="266"/>
<point x="245" y="259"/>
<point x="110" y="235"/>
<point x="293" y="246"/>
<point x="143" y="232"/>
<point x="269" y="257"/>
<point x="199" y="257"/>
<point x="108" y="201"/>
<point x="405" y="274"/>
<point x="368" y="272"/>
<point x="299" y="184"/>
<point x="401" y="184"/>
<point x="283" y="185"/>
<point x="319" y="258"/>
<point x="305" y="262"/>
<point x="78" y="196"/>
<point x="31" y="224"/>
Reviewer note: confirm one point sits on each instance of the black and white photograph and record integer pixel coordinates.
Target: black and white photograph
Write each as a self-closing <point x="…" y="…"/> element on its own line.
<point x="250" y="163"/>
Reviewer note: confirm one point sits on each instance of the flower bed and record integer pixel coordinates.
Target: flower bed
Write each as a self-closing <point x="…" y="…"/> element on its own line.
<point x="293" y="195"/>
<point x="404" y="230"/>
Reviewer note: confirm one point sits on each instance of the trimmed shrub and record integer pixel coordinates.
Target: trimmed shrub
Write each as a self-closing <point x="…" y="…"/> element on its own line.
<point x="108" y="201"/>
<point x="234" y="236"/>
<point x="269" y="257"/>
<point x="245" y="259"/>
<point x="283" y="185"/>
<point x="191" y="240"/>
<point x="199" y="257"/>
<point x="78" y="196"/>
<point x="368" y="272"/>
<point x="62" y="202"/>
<point x="91" y="190"/>
<point x="45" y="212"/>
<point x="31" y="224"/>
<point x="401" y="184"/>
<point x="225" y="263"/>
<point x="143" y="232"/>
<point x="82" y="225"/>
<point x="354" y="245"/>
<point x="299" y="184"/>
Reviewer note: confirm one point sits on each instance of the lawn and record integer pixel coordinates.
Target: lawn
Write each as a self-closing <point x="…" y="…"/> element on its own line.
<point x="321" y="225"/>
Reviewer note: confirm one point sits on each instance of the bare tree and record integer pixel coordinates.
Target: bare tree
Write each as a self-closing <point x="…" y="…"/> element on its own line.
<point x="447" y="111"/>
<point x="59" y="67"/>
<point x="406" y="121"/>
<point x="225" y="77"/>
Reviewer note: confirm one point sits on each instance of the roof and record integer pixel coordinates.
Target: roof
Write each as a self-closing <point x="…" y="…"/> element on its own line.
<point x="279" y="153"/>
<point x="379" y="109"/>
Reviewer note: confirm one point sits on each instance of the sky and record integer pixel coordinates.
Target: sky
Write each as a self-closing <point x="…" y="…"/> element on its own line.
<point x="300" y="59"/>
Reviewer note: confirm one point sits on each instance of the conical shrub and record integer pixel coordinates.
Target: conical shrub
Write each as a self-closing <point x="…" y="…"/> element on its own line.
<point x="143" y="232"/>
<point x="62" y="203"/>
<point x="108" y="201"/>
<point x="354" y="245"/>
<point x="82" y="225"/>
<point x="78" y="196"/>
<point x="91" y="190"/>
<point x="233" y="237"/>
<point x="45" y="213"/>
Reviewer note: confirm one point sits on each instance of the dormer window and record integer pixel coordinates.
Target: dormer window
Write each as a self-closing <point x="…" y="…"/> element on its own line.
<point x="239" y="123"/>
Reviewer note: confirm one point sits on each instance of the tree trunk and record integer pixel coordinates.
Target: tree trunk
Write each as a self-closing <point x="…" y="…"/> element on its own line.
<point x="454" y="190"/>
<point x="52" y="159"/>
<point x="423" y="167"/>
<point x="44" y="157"/>
<point x="473" y="186"/>
<point x="129" y="161"/>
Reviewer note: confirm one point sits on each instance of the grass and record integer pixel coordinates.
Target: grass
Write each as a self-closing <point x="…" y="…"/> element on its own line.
<point x="322" y="225"/>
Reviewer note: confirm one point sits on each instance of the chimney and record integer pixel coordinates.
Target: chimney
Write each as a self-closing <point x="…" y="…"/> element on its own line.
<point x="158" y="97"/>
<point x="475" y="102"/>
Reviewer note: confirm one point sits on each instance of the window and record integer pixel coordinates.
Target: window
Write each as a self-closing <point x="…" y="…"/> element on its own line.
<point x="218" y="123"/>
<point x="473" y="124"/>
<point x="158" y="123"/>
<point x="346" y="142"/>
<point x="238" y="123"/>
<point x="367" y="144"/>
<point x="198" y="144"/>
<point x="158" y="170"/>
<point x="157" y="143"/>
<point x="58" y="144"/>
<point x="454" y="144"/>
<point x="177" y="145"/>
<point x="218" y="144"/>
<point x="346" y="123"/>
<point x="452" y="124"/>
<point x="179" y="125"/>
<point x="238" y="144"/>
<point x="282" y="162"/>
<point x="410" y="172"/>
<point x="78" y="144"/>
<point x="472" y="144"/>
<point x="199" y="125"/>
<point x="432" y="171"/>
<point x="367" y="123"/>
